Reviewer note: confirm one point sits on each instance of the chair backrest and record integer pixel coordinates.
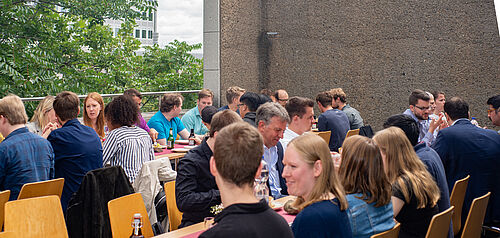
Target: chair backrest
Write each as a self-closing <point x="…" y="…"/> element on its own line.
<point x="174" y="215"/>
<point x="325" y="135"/>
<point x="121" y="213"/>
<point x="440" y="224"/>
<point x="36" y="217"/>
<point x="4" y="197"/>
<point x="352" y="133"/>
<point x="457" y="200"/>
<point x="392" y="233"/>
<point x="8" y="234"/>
<point x="474" y="222"/>
<point x="43" y="188"/>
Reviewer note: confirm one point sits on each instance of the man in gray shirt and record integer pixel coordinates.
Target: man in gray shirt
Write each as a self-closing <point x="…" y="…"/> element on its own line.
<point x="339" y="102"/>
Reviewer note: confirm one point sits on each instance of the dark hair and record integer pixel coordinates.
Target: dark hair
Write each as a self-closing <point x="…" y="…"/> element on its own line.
<point x="324" y="98"/>
<point x="456" y="108"/>
<point x="237" y="153"/>
<point x="405" y="123"/>
<point x="494" y="101"/>
<point x="122" y="111"/>
<point x="251" y="100"/>
<point x="132" y="93"/>
<point x="296" y="106"/>
<point x="416" y="95"/>
<point x="264" y="98"/>
<point x="66" y="105"/>
<point x="222" y="119"/>
<point x="207" y="113"/>
<point x="436" y="94"/>
<point x="169" y="100"/>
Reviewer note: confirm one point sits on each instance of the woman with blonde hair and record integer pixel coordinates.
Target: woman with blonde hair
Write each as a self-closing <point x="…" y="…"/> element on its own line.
<point x="367" y="187"/>
<point x="310" y="175"/>
<point x="44" y="118"/>
<point x="415" y="194"/>
<point x="93" y="113"/>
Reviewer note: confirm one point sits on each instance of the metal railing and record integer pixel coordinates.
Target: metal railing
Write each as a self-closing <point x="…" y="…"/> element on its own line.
<point x="118" y="94"/>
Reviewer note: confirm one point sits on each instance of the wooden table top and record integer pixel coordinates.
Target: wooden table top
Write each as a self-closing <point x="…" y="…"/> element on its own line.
<point x="171" y="156"/>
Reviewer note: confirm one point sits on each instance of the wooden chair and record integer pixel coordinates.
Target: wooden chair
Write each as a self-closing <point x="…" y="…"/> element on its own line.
<point x="121" y="212"/>
<point x="43" y="188"/>
<point x="474" y="222"/>
<point x="174" y="215"/>
<point x="392" y="233"/>
<point x="325" y="135"/>
<point x="440" y="224"/>
<point x="4" y="197"/>
<point x="457" y="200"/>
<point x="352" y="133"/>
<point x="36" y="217"/>
<point x="8" y="234"/>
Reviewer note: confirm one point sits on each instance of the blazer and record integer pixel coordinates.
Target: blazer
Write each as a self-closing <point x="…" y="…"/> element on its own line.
<point x="279" y="167"/>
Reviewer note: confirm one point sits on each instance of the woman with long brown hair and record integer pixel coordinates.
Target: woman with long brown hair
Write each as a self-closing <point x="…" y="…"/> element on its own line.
<point x="415" y="194"/>
<point x="367" y="187"/>
<point x="321" y="202"/>
<point x="93" y="113"/>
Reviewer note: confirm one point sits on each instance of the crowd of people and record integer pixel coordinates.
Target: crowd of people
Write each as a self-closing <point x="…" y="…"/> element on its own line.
<point x="405" y="173"/>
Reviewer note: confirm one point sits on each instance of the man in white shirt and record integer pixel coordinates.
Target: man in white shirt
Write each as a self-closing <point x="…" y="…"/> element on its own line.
<point x="300" y="111"/>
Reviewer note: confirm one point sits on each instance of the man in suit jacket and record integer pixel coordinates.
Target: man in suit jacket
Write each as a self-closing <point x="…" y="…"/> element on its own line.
<point x="466" y="149"/>
<point x="271" y="122"/>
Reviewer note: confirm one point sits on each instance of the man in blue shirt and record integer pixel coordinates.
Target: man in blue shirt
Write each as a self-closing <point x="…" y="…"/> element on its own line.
<point x="333" y="120"/>
<point x="168" y="117"/>
<point x="192" y="118"/>
<point x="233" y="95"/>
<point x="77" y="148"/>
<point x="24" y="156"/>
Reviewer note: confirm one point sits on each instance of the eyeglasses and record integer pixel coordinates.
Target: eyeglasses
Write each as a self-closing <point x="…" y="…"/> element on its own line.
<point x="491" y="110"/>
<point x="283" y="100"/>
<point x="423" y="108"/>
<point x="241" y="104"/>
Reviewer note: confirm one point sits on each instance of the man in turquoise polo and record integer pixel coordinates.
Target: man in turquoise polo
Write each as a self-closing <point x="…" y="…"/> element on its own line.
<point x="192" y="119"/>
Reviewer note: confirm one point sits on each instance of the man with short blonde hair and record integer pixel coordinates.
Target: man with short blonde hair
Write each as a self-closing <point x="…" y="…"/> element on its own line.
<point x="339" y="102"/>
<point x="24" y="156"/>
<point x="233" y="95"/>
<point x="192" y="118"/>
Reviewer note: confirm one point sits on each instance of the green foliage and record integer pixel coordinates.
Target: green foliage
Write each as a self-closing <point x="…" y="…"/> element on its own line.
<point x="54" y="45"/>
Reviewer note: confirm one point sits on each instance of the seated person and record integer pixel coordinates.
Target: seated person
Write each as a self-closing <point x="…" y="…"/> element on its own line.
<point x="195" y="187"/>
<point x="207" y="114"/>
<point x="126" y="145"/>
<point x="235" y="165"/>
<point x="77" y="148"/>
<point x="93" y="113"/>
<point x="367" y="187"/>
<point x="192" y="118"/>
<point x="333" y="120"/>
<point x="141" y="123"/>
<point x="249" y="102"/>
<point x="168" y="117"/>
<point x="301" y="115"/>
<point x="233" y="95"/>
<point x="321" y="200"/>
<point x="43" y="118"/>
<point x="24" y="157"/>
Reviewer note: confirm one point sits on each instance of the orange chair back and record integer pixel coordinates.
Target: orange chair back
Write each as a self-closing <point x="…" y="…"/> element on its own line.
<point x="121" y="213"/>
<point x="43" y="188"/>
<point x="474" y="222"/>
<point x="440" y="224"/>
<point x="392" y="233"/>
<point x="352" y="133"/>
<point x="325" y="135"/>
<point x="4" y="197"/>
<point x="174" y="215"/>
<point x="457" y="200"/>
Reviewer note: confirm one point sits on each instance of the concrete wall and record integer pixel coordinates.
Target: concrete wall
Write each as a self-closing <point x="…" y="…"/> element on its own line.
<point x="377" y="51"/>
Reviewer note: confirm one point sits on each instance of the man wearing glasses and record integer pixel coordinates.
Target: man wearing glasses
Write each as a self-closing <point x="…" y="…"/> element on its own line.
<point x="281" y="97"/>
<point x="419" y="110"/>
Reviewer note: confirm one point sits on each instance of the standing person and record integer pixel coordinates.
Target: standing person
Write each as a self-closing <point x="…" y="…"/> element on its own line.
<point x="24" y="156"/>
<point x="235" y="165"/>
<point x="233" y="95"/>
<point x="466" y="149"/>
<point x="192" y="118"/>
<point x="141" y="123"/>
<point x="168" y="118"/>
<point x="367" y="187"/>
<point x="414" y="192"/>
<point x="300" y="111"/>
<point x="93" y="113"/>
<point x="281" y="97"/>
<point x="493" y="110"/>
<point x="44" y="118"/>
<point x="333" y="120"/>
<point x="339" y="102"/>
<point x="126" y="145"/>
<point x="195" y="187"/>
<point x="321" y="201"/>
<point x="77" y="148"/>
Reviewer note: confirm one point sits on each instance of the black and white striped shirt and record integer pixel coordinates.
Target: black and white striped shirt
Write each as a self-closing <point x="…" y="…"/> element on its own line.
<point x="128" y="147"/>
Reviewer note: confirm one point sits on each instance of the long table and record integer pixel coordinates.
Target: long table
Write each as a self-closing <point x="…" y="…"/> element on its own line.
<point x="198" y="228"/>
<point x="171" y="155"/>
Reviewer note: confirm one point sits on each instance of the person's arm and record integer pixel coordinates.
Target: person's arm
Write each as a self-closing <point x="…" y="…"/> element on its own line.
<point x="189" y="200"/>
<point x="184" y="134"/>
<point x="161" y="138"/>
<point x="397" y="204"/>
<point x="153" y="134"/>
<point x="357" y="121"/>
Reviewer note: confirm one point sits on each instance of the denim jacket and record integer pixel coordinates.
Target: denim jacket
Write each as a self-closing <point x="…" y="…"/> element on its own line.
<point x="366" y="219"/>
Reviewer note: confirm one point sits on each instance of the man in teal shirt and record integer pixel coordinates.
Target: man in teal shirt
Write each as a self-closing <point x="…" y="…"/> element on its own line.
<point x="192" y="118"/>
<point x="168" y="117"/>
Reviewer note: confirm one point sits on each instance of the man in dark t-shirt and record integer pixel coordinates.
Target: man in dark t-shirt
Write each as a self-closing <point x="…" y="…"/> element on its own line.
<point x="235" y="164"/>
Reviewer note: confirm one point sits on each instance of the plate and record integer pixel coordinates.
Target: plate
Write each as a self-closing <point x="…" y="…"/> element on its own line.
<point x="276" y="205"/>
<point x="180" y="150"/>
<point x="160" y="146"/>
<point x="182" y="142"/>
<point x="189" y="147"/>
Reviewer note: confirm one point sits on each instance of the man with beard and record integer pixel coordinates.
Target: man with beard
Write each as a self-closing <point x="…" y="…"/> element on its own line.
<point x="419" y="110"/>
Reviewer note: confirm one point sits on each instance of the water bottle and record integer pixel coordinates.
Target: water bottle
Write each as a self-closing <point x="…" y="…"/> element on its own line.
<point x="474" y="122"/>
<point x="261" y="190"/>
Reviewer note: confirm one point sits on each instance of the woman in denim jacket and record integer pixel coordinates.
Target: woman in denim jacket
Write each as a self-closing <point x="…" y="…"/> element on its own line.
<point x="367" y="187"/>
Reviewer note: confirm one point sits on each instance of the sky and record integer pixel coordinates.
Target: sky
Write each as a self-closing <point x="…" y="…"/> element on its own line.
<point x="181" y="20"/>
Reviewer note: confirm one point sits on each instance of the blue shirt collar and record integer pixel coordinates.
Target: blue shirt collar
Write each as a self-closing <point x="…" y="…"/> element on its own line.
<point x="17" y="131"/>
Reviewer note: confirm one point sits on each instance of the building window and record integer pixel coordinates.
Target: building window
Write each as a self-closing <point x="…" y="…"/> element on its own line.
<point x="150" y="34"/>
<point x="137" y="33"/>
<point x="144" y="34"/>
<point x="150" y="16"/>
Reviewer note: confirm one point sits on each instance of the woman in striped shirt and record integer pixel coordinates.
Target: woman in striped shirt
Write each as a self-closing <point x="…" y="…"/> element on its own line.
<point x="126" y="145"/>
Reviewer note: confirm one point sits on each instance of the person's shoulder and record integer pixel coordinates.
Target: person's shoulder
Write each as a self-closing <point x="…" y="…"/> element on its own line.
<point x="156" y="117"/>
